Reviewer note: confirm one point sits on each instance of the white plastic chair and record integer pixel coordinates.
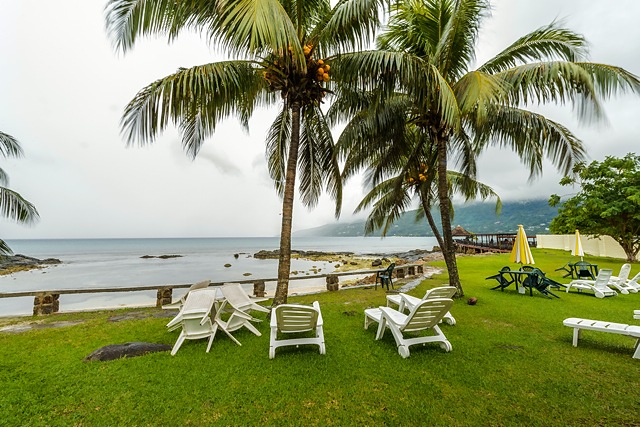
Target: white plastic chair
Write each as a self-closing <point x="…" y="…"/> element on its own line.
<point x="237" y="298"/>
<point x="407" y="302"/>
<point x="296" y="319"/>
<point x="598" y="286"/>
<point x="178" y="304"/>
<point x="195" y="318"/>
<point x="633" y="282"/>
<point x="621" y="281"/>
<point x="424" y="317"/>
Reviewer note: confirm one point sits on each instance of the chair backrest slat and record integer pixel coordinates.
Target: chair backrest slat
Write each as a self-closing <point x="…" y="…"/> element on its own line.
<point x="603" y="278"/>
<point x="427" y="314"/>
<point x="293" y="319"/>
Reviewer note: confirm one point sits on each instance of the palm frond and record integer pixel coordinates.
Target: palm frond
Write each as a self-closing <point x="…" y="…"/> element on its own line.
<point x="534" y="137"/>
<point x="17" y="208"/>
<point x="195" y="99"/>
<point x="546" y="43"/>
<point x="4" y="248"/>
<point x="351" y="24"/>
<point x="9" y="146"/>
<point x="277" y="148"/>
<point x="476" y="92"/>
<point x="609" y="80"/>
<point x="456" y="47"/>
<point x="558" y="82"/>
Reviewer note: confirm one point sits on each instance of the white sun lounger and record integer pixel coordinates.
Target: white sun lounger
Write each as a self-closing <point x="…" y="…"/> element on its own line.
<point x="595" y="325"/>
<point x="598" y="287"/>
<point x="621" y="281"/>
<point x="406" y="302"/>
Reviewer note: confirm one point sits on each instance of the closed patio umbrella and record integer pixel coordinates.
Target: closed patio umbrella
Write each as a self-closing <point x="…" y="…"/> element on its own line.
<point x="521" y="251"/>
<point x="577" y="247"/>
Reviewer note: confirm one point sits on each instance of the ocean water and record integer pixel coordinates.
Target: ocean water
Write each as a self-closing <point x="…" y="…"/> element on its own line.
<point x="109" y="263"/>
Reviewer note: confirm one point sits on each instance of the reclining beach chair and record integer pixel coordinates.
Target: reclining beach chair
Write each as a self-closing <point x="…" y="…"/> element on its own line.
<point x="579" y="325"/>
<point x="178" y="304"/>
<point x="195" y="318"/>
<point x="424" y="317"/>
<point x="621" y="281"/>
<point x="407" y="302"/>
<point x="300" y="321"/>
<point x="633" y="283"/>
<point x="598" y="286"/>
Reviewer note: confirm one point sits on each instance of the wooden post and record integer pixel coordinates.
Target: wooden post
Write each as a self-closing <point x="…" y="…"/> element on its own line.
<point x="164" y="296"/>
<point x="332" y="282"/>
<point x="258" y="289"/>
<point x="46" y="303"/>
<point x="400" y="273"/>
<point x="419" y="269"/>
<point x="412" y="270"/>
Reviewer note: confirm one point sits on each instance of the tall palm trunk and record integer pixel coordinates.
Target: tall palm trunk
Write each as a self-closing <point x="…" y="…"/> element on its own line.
<point x="284" y="260"/>
<point x="448" y="249"/>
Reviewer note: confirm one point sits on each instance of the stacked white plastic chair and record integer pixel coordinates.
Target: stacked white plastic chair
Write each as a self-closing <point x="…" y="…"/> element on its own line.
<point x="195" y="318"/>
<point x="406" y="302"/>
<point x="178" y="304"/>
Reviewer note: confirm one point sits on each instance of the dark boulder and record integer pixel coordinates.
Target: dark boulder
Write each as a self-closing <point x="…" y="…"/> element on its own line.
<point x="129" y="349"/>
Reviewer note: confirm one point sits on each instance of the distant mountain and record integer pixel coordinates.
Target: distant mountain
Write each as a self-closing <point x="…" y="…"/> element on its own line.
<point x="479" y="218"/>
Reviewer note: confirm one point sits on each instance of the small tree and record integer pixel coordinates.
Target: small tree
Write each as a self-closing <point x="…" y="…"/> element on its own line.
<point x="608" y="203"/>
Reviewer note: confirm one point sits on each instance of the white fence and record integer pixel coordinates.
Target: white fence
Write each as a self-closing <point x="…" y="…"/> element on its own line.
<point x="602" y="246"/>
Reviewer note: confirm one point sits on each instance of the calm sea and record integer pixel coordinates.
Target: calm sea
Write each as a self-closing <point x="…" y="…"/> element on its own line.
<point x="104" y="263"/>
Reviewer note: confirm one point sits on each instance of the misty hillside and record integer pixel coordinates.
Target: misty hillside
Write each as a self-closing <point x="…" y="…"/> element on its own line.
<point x="477" y="218"/>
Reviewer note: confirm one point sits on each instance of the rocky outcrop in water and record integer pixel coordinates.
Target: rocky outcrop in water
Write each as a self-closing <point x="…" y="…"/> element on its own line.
<point x="9" y="261"/>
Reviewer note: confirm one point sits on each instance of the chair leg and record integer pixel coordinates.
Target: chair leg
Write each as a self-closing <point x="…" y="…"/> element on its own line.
<point x="178" y="343"/>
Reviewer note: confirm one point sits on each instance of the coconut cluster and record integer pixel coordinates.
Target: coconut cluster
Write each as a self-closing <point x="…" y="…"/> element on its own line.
<point x="417" y="176"/>
<point x="283" y="75"/>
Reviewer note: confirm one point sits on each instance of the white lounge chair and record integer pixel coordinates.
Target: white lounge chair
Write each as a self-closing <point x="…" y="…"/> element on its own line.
<point x="424" y="317"/>
<point x="239" y="300"/>
<point x="195" y="318"/>
<point x="595" y="325"/>
<point x="178" y="304"/>
<point x="236" y="319"/>
<point x="296" y="319"/>
<point x="407" y="302"/>
<point x="598" y="286"/>
<point x="634" y="282"/>
<point x="619" y="282"/>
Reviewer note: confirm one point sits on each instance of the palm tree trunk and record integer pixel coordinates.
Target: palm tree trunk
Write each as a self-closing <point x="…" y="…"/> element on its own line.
<point x="427" y="211"/>
<point x="448" y="250"/>
<point x="284" y="260"/>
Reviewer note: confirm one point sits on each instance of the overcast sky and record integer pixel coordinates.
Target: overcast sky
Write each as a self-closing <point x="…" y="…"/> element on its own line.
<point x="63" y="90"/>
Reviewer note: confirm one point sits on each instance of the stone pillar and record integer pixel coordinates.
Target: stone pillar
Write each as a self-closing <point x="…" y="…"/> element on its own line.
<point x="164" y="296"/>
<point x="332" y="283"/>
<point x="258" y="289"/>
<point x="412" y="270"/>
<point x="46" y="303"/>
<point x="400" y="273"/>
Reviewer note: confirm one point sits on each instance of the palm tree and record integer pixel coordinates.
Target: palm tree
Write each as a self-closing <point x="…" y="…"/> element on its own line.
<point x="426" y="54"/>
<point x="402" y="168"/>
<point x="282" y="48"/>
<point x="12" y="204"/>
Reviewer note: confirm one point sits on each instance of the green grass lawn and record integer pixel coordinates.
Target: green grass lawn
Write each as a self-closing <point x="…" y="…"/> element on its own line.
<point x="512" y="364"/>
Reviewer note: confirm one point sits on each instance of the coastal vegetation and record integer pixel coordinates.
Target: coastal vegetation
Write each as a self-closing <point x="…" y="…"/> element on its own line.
<point x="421" y="75"/>
<point x="12" y="205"/>
<point x="512" y="364"/>
<point x="282" y="56"/>
<point x="607" y="203"/>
